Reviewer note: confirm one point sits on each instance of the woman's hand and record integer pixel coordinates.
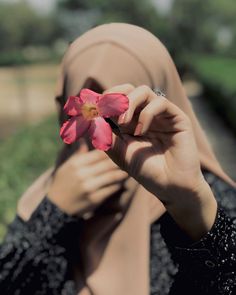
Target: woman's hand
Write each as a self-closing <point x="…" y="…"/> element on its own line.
<point x="84" y="181"/>
<point x="157" y="147"/>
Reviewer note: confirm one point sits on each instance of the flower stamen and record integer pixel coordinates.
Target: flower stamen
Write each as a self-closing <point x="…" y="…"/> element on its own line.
<point x="89" y="111"/>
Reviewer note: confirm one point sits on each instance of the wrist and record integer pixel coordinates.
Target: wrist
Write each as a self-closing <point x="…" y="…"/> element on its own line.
<point x="61" y="201"/>
<point x="195" y="210"/>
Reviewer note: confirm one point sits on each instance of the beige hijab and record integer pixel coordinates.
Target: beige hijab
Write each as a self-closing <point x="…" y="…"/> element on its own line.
<point x="114" y="246"/>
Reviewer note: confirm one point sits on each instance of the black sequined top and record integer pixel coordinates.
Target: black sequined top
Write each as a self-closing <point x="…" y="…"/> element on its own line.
<point x="37" y="256"/>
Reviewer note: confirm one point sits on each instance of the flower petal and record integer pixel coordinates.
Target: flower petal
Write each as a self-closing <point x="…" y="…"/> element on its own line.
<point x="101" y="134"/>
<point x="72" y="106"/>
<point x="89" y="96"/>
<point x="113" y="104"/>
<point x="73" y="129"/>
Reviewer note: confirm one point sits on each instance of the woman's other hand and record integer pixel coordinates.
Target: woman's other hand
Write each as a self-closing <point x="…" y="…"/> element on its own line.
<point x="84" y="181"/>
<point x="158" y="149"/>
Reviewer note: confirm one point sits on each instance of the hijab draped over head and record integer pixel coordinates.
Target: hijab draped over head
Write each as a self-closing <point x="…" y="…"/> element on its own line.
<point x="114" y="244"/>
<point x="120" y="53"/>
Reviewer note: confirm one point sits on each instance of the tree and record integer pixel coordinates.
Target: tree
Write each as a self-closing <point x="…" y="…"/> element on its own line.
<point x="141" y="13"/>
<point x="20" y="26"/>
<point x="196" y="24"/>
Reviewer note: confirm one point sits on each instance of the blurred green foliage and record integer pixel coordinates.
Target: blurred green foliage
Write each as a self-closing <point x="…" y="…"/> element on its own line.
<point x="142" y="13"/>
<point x="23" y="157"/>
<point x="20" y="27"/>
<point x="217" y="75"/>
<point x="218" y="70"/>
<point x="128" y="11"/>
<point x="190" y="26"/>
<point x="204" y="26"/>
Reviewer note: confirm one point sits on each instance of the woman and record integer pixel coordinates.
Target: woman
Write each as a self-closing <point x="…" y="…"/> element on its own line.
<point x="165" y="226"/>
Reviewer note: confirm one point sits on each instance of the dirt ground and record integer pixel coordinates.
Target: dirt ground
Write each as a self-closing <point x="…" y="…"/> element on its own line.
<point x="26" y="96"/>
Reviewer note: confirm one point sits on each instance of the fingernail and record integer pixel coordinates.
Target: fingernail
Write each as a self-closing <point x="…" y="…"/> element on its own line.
<point x="121" y="119"/>
<point x="138" y="129"/>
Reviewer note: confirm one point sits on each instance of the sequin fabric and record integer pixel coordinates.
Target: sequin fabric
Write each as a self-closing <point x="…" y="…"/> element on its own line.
<point x="37" y="257"/>
<point x="34" y="258"/>
<point x="205" y="267"/>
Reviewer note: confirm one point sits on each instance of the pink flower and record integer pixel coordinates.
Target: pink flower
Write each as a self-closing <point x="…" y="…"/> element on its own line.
<point x="87" y="115"/>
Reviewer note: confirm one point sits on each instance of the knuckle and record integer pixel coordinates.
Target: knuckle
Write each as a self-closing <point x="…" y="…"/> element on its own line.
<point x="144" y="88"/>
<point x="112" y="177"/>
<point x="129" y="86"/>
<point x="162" y="104"/>
<point x="85" y="188"/>
<point x="126" y="88"/>
<point x="146" y="113"/>
<point x="115" y="175"/>
<point x="91" y="198"/>
<point x="110" y="164"/>
<point x="163" y="101"/>
<point x="186" y="121"/>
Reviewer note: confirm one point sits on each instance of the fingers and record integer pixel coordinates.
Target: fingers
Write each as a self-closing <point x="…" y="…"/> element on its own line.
<point x="124" y="88"/>
<point x="106" y="179"/>
<point x="98" y="168"/>
<point x="105" y="192"/>
<point x="175" y="119"/>
<point x="143" y="101"/>
<point x="154" y="108"/>
<point x="138" y="97"/>
<point x="87" y="158"/>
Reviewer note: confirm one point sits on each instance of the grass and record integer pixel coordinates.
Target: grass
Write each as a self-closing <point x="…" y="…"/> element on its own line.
<point x="23" y="157"/>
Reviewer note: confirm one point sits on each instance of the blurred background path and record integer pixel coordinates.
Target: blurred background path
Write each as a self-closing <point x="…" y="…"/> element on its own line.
<point x="27" y="96"/>
<point x="222" y="138"/>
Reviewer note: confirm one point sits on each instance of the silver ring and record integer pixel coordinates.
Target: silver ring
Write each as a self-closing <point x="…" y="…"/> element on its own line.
<point x="158" y="92"/>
